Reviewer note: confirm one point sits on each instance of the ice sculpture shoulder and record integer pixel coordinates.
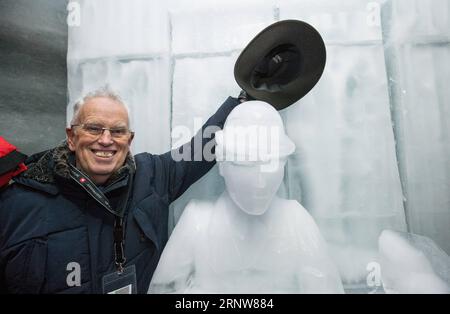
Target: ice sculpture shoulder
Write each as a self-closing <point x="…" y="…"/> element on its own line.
<point x="249" y="240"/>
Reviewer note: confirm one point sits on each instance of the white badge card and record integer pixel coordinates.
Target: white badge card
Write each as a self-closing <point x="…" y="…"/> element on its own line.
<point x="120" y="283"/>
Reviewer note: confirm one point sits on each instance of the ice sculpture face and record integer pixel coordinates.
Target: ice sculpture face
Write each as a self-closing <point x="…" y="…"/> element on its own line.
<point x="251" y="151"/>
<point x="249" y="186"/>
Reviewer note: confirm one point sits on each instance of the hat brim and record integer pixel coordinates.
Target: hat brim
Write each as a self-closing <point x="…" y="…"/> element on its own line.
<point x="11" y="161"/>
<point x="305" y="39"/>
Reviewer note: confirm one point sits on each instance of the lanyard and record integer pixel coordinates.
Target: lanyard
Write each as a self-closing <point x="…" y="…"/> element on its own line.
<point x="119" y="237"/>
<point x="118" y="231"/>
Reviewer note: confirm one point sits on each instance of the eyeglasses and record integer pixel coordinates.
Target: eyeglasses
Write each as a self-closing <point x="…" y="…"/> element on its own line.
<point x="97" y="130"/>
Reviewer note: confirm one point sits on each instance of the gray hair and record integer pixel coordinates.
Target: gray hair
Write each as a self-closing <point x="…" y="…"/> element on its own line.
<point x="104" y="91"/>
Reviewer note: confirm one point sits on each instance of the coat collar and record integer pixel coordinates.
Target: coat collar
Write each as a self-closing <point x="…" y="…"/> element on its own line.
<point x="52" y="166"/>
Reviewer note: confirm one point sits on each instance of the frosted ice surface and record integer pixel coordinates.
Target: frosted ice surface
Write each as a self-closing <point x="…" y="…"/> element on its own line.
<point x="217" y="26"/>
<point x="345" y="170"/>
<point x="119" y="28"/>
<point x="418" y="36"/>
<point x="413" y="264"/>
<point x="337" y="21"/>
<point x="193" y="102"/>
<point x="352" y="261"/>
<point x="419" y="19"/>
<point x="349" y="111"/>
<point x="425" y="149"/>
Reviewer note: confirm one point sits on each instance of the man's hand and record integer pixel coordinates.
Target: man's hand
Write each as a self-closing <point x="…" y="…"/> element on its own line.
<point x="243" y="97"/>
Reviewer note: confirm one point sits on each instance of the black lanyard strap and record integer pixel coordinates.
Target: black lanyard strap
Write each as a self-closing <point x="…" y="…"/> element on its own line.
<point x="119" y="235"/>
<point x="118" y="231"/>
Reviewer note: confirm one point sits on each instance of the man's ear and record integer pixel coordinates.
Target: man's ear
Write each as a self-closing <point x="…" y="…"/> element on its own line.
<point x="131" y="139"/>
<point x="70" y="138"/>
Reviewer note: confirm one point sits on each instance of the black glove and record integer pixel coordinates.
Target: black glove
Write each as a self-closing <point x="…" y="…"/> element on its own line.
<point x="243" y="97"/>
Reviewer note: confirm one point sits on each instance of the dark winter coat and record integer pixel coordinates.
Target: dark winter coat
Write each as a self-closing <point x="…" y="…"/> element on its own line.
<point x="47" y="221"/>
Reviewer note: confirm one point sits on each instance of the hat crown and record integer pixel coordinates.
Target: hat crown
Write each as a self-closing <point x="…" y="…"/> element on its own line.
<point x="254" y="113"/>
<point x="277" y="68"/>
<point x="253" y="131"/>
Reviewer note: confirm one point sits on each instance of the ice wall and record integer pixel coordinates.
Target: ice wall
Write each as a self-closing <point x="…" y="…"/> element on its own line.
<point x="413" y="264"/>
<point x="417" y="43"/>
<point x="372" y="137"/>
<point x="345" y="169"/>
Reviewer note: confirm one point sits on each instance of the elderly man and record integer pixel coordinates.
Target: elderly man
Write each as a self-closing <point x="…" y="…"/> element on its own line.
<point x="88" y="217"/>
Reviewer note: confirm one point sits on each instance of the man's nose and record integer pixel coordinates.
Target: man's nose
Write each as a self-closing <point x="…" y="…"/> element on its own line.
<point x="105" y="138"/>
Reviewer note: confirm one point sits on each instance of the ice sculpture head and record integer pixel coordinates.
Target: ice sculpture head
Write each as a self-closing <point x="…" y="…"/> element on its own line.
<point x="251" y="151"/>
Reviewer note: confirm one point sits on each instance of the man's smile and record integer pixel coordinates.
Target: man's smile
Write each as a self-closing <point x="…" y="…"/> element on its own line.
<point x="104" y="153"/>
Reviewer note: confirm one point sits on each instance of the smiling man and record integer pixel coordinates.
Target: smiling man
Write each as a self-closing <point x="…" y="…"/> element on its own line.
<point x="97" y="152"/>
<point x="88" y="216"/>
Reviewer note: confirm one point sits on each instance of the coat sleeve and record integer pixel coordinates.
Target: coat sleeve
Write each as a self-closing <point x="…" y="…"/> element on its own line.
<point x="182" y="173"/>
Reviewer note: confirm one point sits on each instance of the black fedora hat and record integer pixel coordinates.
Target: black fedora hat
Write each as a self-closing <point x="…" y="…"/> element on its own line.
<point x="282" y="63"/>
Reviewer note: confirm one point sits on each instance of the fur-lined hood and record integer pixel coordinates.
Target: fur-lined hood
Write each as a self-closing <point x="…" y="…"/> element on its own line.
<point x="44" y="166"/>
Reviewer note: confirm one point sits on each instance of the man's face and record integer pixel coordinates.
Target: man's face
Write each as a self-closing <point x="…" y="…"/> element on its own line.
<point x="99" y="156"/>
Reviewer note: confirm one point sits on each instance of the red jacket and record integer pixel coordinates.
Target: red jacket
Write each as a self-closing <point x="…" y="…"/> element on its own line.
<point x="11" y="162"/>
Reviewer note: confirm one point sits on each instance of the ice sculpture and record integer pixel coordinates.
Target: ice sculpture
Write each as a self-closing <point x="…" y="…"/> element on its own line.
<point x="413" y="264"/>
<point x="248" y="240"/>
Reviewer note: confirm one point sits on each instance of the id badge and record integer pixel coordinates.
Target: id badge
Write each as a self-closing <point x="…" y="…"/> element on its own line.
<point x="120" y="283"/>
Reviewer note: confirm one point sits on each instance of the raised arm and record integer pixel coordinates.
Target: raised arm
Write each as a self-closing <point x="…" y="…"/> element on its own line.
<point x="183" y="173"/>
